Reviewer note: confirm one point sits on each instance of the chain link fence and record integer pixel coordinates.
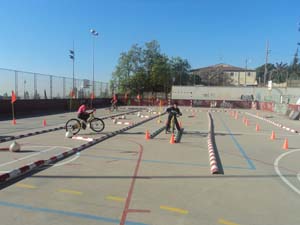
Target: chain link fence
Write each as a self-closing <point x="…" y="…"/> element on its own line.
<point x="29" y="85"/>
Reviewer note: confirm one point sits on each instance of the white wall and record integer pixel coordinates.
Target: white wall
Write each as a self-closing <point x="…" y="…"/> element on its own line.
<point x="234" y="93"/>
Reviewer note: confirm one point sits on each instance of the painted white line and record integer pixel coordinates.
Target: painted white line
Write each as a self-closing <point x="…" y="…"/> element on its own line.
<point x="63" y="163"/>
<point x="50" y="148"/>
<point x="279" y="173"/>
<point x="298" y="176"/>
<point x="26" y="157"/>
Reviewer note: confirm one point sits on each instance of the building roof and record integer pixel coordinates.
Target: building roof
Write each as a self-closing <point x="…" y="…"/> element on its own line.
<point x="223" y="67"/>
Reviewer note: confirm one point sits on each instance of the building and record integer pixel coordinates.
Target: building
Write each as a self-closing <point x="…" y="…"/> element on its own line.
<point x="225" y="75"/>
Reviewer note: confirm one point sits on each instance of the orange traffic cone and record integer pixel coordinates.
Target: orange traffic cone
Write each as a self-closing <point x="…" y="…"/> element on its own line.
<point x="247" y="122"/>
<point x="257" y="128"/>
<point x="272" y="136"/>
<point x="172" y="140"/>
<point x="147" y="136"/>
<point x="285" y="144"/>
<point x="13" y="122"/>
<point x="44" y="123"/>
<point x="236" y="115"/>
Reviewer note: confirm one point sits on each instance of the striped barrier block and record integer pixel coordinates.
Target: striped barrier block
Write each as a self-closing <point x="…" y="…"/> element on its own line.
<point x="211" y="151"/>
<point x="40" y="163"/>
<point x="273" y="123"/>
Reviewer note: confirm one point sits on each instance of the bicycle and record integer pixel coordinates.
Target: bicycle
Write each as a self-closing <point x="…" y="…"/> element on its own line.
<point x="113" y="107"/>
<point x="96" y="124"/>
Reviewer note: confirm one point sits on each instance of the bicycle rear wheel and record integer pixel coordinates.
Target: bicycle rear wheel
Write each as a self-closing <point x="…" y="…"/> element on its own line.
<point x="97" y="125"/>
<point x="73" y="125"/>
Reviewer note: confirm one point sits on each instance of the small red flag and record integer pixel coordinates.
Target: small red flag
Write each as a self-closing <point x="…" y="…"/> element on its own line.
<point x="92" y="95"/>
<point x="13" y="97"/>
<point x="72" y="94"/>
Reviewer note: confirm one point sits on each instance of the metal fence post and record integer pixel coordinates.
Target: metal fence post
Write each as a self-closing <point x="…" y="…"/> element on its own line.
<point x="64" y="87"/>
<point x="50" y="86"/>
<point x="35" y="86"/>
<point x="16" y="83"/>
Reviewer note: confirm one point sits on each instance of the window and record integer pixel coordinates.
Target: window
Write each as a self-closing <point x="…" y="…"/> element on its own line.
<point x="249" y="74"/>
<point x="231" y="74"/>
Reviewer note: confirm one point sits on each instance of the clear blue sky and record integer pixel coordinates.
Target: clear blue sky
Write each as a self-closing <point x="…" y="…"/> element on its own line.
<point x="35" y="35"/>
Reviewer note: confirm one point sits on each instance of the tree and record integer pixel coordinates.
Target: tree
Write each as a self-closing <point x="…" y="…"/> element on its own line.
<point x="147" y="69"/>
<point x="294" y="68"/>
<point x="261" y="70"/>
<point x="180" y="71"/>
<point x="279" y="73"/>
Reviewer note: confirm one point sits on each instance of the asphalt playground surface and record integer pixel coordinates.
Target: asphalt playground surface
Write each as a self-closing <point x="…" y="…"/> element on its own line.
<point x="127" y="179"/>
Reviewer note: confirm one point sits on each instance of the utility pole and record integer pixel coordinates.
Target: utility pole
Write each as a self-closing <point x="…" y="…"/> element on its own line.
<point x="72" y="57"/>
<point x="246" y="65"/>
<point x="266" y="64"/>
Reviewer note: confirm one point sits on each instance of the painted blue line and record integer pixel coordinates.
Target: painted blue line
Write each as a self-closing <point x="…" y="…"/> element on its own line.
<point x="66" y="213"/>
<point x="242" y="151"/>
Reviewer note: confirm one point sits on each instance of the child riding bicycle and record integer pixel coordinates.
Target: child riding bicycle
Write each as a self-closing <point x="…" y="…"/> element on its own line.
<point x="83" y="114"/>
<point x="114" y="102"/>
<point x="173" y="112"/>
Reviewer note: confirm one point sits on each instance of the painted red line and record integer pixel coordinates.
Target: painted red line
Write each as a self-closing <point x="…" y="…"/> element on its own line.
<point x="138" y="211"/>
<point x="129" y="195"/>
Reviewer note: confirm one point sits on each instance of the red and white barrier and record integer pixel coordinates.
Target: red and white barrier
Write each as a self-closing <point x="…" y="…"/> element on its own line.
<point x="274" y="123"/>
<point x="211" y="151"/>
<point x="82" y="138"/>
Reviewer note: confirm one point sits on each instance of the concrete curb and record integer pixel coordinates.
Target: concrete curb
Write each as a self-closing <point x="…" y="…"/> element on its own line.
<point x="211" y="151"/>
<point x="29" y="167"/>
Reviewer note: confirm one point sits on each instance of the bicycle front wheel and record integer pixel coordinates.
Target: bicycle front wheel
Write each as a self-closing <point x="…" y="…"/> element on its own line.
<point x="73" y="125"/>
<point x="97" y="125"/>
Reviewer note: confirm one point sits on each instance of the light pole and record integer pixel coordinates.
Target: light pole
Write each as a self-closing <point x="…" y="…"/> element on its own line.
<point x="72" y="57"/>
<point x="94" y="34"/>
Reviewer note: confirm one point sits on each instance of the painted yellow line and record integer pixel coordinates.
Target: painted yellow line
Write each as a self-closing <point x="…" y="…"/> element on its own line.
<point x="25" y="186"/>
<point x="182" y="211"/>
<point x="70" y="192"/>
<point x="113" y="198"/>
<point x="221" y="221"/>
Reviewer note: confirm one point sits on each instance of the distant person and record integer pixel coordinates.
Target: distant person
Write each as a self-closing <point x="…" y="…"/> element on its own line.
<point x="114" y="102"/>
<point x="83" y="114"/>
<point x="173" y="111"/>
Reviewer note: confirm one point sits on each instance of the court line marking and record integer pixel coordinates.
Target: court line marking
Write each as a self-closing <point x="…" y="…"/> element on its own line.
<point x="67" y="213"/>
<point x="222" y="221"/>
<point x="172" y="209"/>
<point x="73" y="192"/>
<point x="21" y="185"/>
<point x="276" y="167"/>
<point x="115" y="198"/>
<point x="159" y="161"/>
<point x="46" y="150"/>
<point x="242" y="151"/>
<point x="29" y="156"/>
<point x="64" y="163"/>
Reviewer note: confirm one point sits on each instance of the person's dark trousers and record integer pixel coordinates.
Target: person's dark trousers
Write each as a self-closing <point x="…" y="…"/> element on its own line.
<point x="83" y="116"/>
<point x="169" y="122"/>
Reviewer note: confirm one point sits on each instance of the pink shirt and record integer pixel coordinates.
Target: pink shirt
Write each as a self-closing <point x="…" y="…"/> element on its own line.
<point x="81" y="109"/>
